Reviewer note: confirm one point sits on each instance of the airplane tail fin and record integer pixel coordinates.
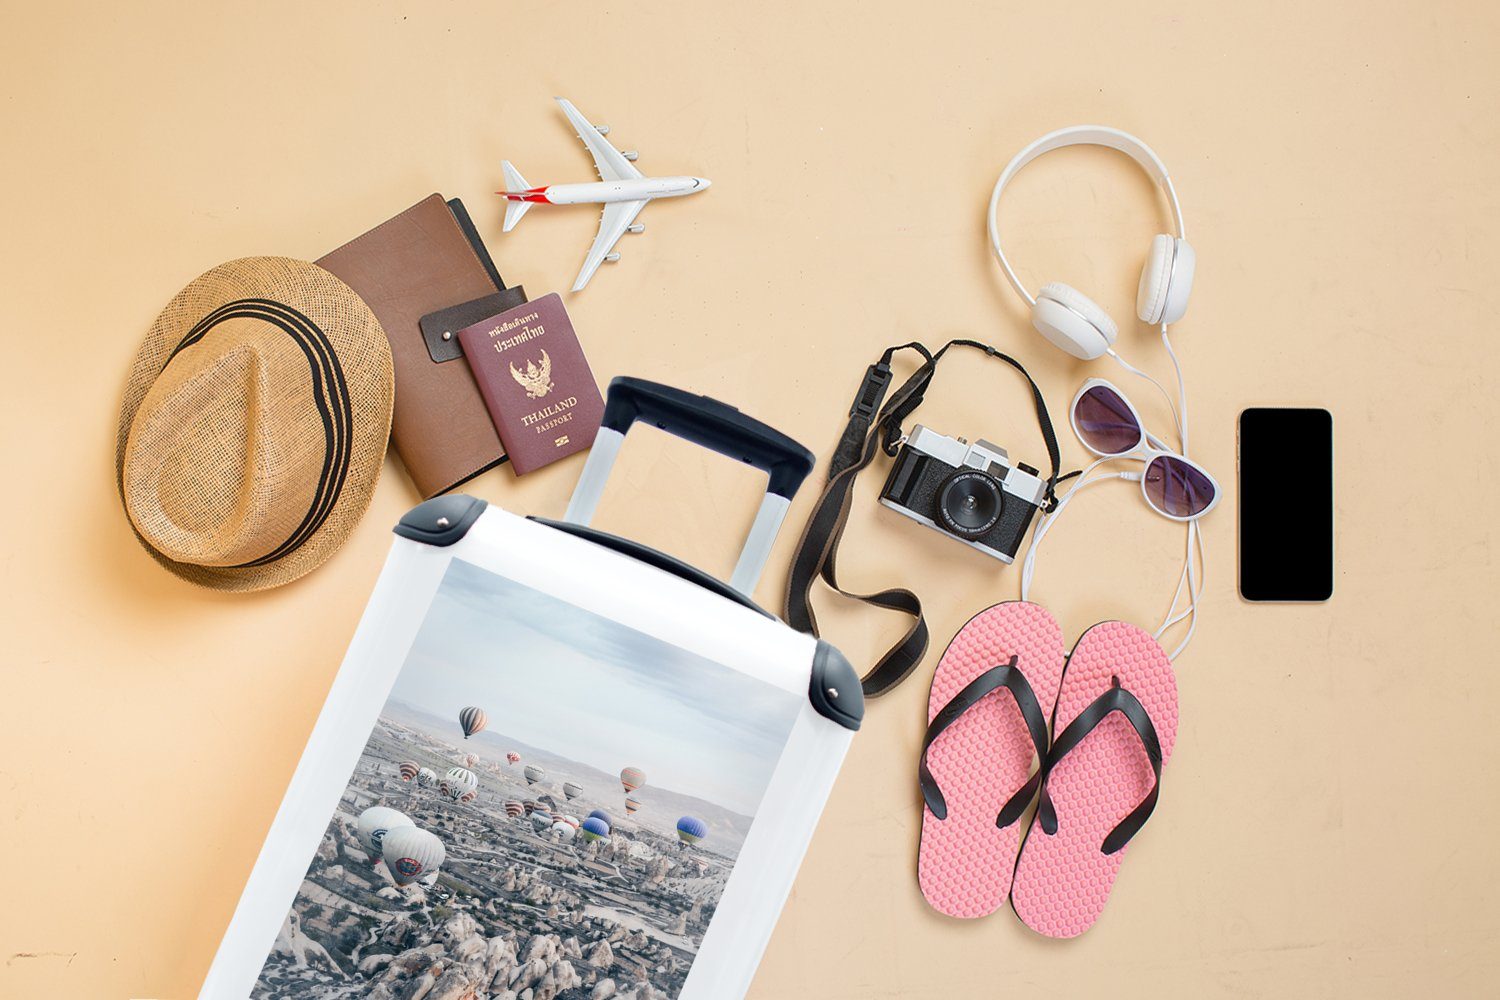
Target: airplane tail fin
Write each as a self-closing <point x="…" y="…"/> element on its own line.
<point x="514" y="183"/>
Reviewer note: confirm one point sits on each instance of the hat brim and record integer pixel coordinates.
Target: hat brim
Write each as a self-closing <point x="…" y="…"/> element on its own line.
<point x="362" y="351"/>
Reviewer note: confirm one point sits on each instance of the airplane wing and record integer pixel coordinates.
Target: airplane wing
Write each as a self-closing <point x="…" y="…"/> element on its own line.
<point x="617" y="217"/>
<point x="608" y="160"/>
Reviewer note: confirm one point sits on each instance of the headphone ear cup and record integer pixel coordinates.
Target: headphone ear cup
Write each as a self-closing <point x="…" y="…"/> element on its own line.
<point x="1072" y="321"/>
<point x="1166" y="281"/>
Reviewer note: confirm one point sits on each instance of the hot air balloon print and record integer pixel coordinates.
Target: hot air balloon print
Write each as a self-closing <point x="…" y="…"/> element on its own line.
<point x="631" y="805"/>
<point x="472" y="719"/>
<point x="571" y="790"/>
<point x="407" y="770"/>
<point x="514" y="808"/>
<point x="632" y="778"/>
<point x="427" y="777"/>
<point x="411" y="853"/>
<point x="690" y="830"/>
<point x="372" y="826"/>
<point x="513" y="757"/>
<point x="594" y="829"/>
<point x="533" y="774"/>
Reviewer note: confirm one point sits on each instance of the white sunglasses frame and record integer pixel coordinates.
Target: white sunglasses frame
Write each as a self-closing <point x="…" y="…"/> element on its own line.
<point x="1147" y="449"/>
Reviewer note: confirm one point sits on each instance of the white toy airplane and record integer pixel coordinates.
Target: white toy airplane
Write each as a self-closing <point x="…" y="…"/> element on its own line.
<point x="621" y="188"/>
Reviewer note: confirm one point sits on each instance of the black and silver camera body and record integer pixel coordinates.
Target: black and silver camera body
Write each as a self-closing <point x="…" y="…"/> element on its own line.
<point x="968" y="491"/>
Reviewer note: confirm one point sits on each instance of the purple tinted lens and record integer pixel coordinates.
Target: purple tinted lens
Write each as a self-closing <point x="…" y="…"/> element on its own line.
<point x="1177" y="487"/>
<point x="1105" y="422"/>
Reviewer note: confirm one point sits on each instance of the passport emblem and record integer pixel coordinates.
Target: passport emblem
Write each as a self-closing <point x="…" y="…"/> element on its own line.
<point x="536" y="379"/>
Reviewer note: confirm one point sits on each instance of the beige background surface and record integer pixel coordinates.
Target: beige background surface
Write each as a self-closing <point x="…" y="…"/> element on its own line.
<point x="1328" y="822"/>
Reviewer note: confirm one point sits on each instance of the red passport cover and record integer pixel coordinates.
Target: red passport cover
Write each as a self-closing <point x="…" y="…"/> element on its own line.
<point x="536" y="382"/>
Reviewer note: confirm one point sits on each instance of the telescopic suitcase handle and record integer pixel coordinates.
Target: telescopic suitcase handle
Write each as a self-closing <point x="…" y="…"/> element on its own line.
<point x="711" y="424"/>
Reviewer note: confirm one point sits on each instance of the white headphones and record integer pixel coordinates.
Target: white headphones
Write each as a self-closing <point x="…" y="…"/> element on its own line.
<point x="1064" y="315"/>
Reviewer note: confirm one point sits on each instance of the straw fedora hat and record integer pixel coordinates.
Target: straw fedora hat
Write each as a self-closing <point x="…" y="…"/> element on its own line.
<point x="254" y="424"/>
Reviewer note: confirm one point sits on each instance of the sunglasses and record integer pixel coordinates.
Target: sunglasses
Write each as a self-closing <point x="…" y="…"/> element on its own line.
<point x="1109" y="426"/>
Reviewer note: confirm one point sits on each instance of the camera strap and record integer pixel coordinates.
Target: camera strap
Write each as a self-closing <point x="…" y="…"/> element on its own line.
<point x="870" y="429"/>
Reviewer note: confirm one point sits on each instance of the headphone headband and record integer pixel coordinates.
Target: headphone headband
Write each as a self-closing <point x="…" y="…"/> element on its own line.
<point x="1079" y="135"/>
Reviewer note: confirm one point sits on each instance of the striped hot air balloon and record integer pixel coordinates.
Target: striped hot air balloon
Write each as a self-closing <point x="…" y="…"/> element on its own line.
<point x="571" y="821"/>
<point x="533" y="774"/>
<point x="690" y="829"/>
<point x="513" y="757"/>
<point x="632" y="778"/>
<point x="514" y="808"/>
<point x="594" y="829"/>
<point x="407" y="770"/>
<point x="571" y="790"/>
<point x="468" y="796"/>
<point x="472" y="719"/>
<point x="529" y="805"/>
<point x="631" y="805"/>
<point x="411" y="853"/>
<point x="457" y="781"/>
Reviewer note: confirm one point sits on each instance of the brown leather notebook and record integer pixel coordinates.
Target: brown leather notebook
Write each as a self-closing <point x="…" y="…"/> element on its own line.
<point x="418" y="263"/>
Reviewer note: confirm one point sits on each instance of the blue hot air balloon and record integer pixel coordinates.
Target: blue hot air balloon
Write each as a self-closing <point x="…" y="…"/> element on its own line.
<point x="691" y="829"/>
<point x="603" y="817"/>
<point x="594" y="829"/>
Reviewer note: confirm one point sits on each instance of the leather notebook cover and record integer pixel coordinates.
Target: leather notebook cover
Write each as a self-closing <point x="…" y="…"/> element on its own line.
<point x="418" y="263"/>
<point x="540" y="390"/>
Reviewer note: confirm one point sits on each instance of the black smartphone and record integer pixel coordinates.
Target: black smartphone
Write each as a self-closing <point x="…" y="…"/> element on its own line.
<point x="1286" y="504"/>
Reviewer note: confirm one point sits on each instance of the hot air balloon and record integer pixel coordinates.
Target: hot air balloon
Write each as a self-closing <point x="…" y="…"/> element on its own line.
<point x="533" y="774"/>
<point x="571" y="821"/>
<point x="468" y="797"/>
<point x="542" y="820"/>
<point x="407" y="770"/>
<point x="457" y="781"/>
<point x="427" y="777"/>
<point x="513" y="757"/>
<point x="410" y="853"/>
<point x="514" y="808"/>
<point x="529" y="805"/>
<point x="594" y="829"/>
<point x="374" y="823"/>
<point x="690" y="829"/>
<point x="471" y="760"/>
<point x="571" y="790"/>
<point x="631" y="805"/>
<point x="473" y="720"/>
<point x="564" y="831"/>
<point x="632" y="778"/>
<point x="602" y="817"/>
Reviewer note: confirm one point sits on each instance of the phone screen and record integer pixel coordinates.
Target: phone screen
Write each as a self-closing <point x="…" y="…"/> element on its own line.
<point x="1286" y="504"/>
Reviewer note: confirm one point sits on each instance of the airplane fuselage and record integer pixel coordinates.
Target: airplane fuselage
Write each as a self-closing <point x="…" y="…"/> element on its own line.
<point x="604" y="192"/>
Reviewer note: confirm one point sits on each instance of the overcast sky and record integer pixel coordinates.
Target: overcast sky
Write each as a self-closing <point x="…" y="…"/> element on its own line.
<point x="578" y="685"/>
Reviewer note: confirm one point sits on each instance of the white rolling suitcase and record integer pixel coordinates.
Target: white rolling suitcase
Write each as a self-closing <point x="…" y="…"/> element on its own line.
<point x="553" y="758"/>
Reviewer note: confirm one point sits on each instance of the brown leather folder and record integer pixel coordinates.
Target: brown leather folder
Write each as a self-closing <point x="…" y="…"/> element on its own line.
<point x="418" y="263"/>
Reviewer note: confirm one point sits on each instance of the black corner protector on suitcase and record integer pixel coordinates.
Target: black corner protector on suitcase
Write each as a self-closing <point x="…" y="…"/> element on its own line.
<point x="654" y="557"/>
<point x="835" y="690"/>
<point x="442" y="520"/>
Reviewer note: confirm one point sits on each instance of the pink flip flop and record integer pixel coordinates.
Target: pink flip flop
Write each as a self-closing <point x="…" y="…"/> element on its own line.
<point x="987" y="721"/>
<point x="1114" y="728"/>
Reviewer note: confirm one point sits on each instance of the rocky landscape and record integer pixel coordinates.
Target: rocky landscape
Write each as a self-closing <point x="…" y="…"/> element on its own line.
<point x="514" y="913"/>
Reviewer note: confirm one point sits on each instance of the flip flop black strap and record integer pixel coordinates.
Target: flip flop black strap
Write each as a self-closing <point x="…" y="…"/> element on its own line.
<point x="1007" y="676"/>
<point x="1116" y="699"/>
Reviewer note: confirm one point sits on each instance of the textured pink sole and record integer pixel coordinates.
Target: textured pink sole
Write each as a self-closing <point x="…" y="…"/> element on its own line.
<point x="964" y="864"/>
<point x="1063" y="881"/>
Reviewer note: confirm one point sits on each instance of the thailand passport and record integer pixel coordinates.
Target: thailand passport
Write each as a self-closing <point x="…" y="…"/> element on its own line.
<point x="535" y="381"/>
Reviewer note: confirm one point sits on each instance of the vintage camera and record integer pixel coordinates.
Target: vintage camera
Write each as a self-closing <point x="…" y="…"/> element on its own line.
<point x="969" y="491"/>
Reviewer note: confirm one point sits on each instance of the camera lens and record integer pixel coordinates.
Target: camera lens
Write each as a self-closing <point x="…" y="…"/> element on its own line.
<point x="968" y="503"/>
